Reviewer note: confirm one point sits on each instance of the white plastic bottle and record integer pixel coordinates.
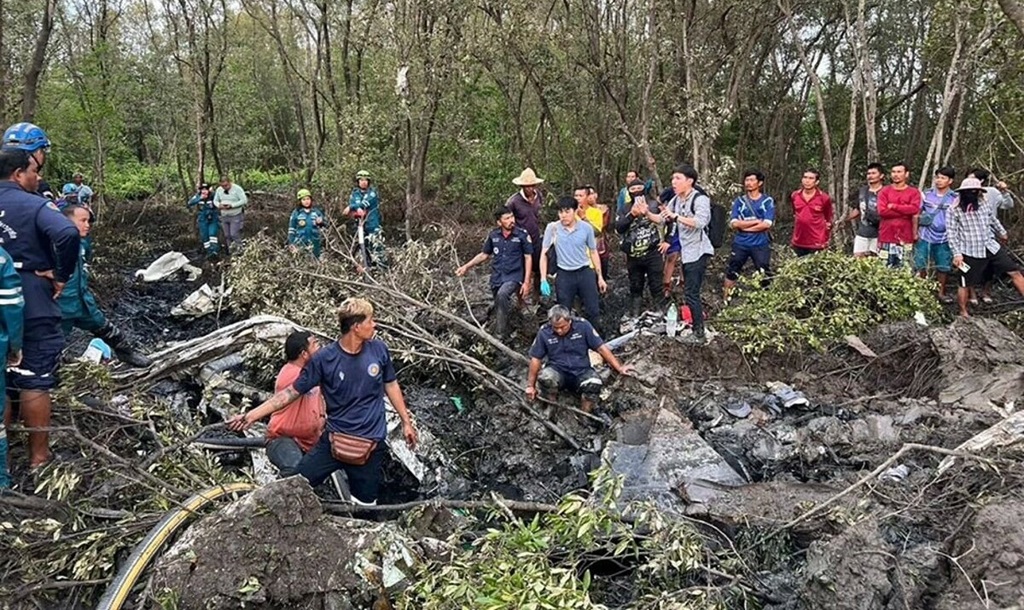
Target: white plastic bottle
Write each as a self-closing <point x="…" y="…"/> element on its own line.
<point x="672" y="321"/>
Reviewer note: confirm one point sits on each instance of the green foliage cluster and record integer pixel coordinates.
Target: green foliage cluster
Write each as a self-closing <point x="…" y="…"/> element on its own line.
<point x="816" y="300"/>
<point x="543" y="563"/>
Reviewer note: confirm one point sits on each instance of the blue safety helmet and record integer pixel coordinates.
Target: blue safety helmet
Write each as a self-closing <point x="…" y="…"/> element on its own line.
<point x="25" y="136"/>
<point x="68" y="189"/>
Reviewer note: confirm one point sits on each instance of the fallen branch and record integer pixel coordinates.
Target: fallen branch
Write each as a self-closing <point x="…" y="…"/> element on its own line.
<point x="907" y="448"/>
<point x="1004" y="433"/>
<point x="346" y="508"/>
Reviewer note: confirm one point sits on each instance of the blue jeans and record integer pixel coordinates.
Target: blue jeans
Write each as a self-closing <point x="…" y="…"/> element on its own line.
<point x="284" y="453"/>
<point x="364" y="481"/>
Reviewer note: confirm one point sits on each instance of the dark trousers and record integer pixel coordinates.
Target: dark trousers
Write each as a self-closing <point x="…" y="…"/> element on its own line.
<point x="693" y="279"/>
<point x="284" y="453"/>
<point x="504" y="296"/>
<point x="646" y="269"/>
<point x="761" y="255"/>
<point x="364" y="481"/>
<point x="582" y="283"/>
<point x="802" y="252"/>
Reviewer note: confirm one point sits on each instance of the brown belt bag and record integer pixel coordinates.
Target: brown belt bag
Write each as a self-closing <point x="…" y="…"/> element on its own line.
<point x="351" y="450"/>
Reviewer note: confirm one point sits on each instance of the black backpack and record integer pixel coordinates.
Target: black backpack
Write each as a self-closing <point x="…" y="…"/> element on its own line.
<point x="719" y="219"/>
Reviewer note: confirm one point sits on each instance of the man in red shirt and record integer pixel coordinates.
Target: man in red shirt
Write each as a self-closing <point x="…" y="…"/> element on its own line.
<point x="898" y="207"/>
<point x="295" y="429"/>
<point x="812" y="211"/>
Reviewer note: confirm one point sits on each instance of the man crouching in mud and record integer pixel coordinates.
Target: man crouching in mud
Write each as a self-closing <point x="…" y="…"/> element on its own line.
<point x="566" y="342"/>
<point x="354" y="374"/>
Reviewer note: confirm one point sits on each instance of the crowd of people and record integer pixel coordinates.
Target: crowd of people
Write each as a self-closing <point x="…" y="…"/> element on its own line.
<point x="327" y="415"/>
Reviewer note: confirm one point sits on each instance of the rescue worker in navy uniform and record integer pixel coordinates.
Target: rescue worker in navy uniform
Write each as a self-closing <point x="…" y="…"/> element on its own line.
<point x="208" y="219"/>
<point x="511" y="270"/>
<point x="560" y="360"/>
<point x="44" y="246"/>
<point x="79" y="308"/>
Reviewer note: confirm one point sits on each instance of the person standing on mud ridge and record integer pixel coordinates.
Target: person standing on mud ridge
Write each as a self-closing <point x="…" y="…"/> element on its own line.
<point x="579" y="266"/>
<point x="207" y="219"/>
<point x="899" y="206"/>
<point x="560" y="360"/>
<point x="812" y="213"/>
<point x="932" y="238"/>
<point x="231" y="200"/>
<point x="78" y="306"/>
<point x="12" y="308"/>
<point x="295" y="430"/>
<point x="753" y="215"/>
<point x="354" y="374"/>
<point x="44" y="246"/>
<point x="526" y="205"/>
<point x="364" y="206"/>
<point x="642" y="228"/>
<point x="511" y="270"/>
<point x="690" y="212"/>
<point x="973" y="232"/>
<point x="863" y="216"/>
<point x="305" y="224"/>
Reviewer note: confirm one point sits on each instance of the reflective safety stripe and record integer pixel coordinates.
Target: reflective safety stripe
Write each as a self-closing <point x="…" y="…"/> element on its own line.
<point x="16" y="301"/>
<point x="18" y="265"/>
<point x="9" y="292"/>
<point x="24" y="372"/>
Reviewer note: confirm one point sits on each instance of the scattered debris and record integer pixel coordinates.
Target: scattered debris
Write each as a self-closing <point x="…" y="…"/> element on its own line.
<point x="203" y="301"/>
<point x="856" y="343"/>
<point x="168" y="265"/>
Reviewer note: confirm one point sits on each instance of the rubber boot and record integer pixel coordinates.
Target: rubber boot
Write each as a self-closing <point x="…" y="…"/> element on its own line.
<point x="125" y="351"/>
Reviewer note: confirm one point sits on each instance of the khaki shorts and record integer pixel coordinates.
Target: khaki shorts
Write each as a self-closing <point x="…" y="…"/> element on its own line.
<point x="864" y="245"/>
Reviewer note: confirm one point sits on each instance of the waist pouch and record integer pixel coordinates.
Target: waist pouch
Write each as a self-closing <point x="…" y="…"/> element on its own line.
<point x="351" y="450"/>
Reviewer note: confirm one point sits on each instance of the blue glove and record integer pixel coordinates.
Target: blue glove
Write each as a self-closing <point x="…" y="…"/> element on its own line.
<point x="545" y="288"/>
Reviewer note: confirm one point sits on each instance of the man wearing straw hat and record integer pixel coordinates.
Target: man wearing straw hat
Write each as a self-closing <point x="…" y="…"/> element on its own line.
<point x="525" y="206"/>
<point x="976" y="238"/>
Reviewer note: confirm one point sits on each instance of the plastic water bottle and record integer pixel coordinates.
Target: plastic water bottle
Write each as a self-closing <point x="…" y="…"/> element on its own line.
<point x="97" y="352"/>
<point x="672" y="321"/>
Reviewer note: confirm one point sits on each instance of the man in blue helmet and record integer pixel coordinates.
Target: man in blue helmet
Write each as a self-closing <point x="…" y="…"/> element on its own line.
<point x="44" y="248"/>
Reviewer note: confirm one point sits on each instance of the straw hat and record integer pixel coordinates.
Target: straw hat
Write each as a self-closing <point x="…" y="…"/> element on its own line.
<point x="527" y="178"/>
<point x="971" y="184"/>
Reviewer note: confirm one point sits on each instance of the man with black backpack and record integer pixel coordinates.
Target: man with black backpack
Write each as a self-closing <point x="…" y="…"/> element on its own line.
<point x="863" y="216"/>
<point x="753" y="215"/>
<point x="691" y="213"/>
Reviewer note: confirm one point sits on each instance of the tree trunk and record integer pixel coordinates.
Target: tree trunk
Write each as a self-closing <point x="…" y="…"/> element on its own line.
<point x="30" y="96"/>
<point x="1014" y="10"/>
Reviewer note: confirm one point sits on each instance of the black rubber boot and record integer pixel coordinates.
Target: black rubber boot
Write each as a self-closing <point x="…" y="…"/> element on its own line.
<point x="119" y="343"/>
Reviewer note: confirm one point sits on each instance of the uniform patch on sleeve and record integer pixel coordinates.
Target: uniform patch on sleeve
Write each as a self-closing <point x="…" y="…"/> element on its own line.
<point x="52" y="205"/>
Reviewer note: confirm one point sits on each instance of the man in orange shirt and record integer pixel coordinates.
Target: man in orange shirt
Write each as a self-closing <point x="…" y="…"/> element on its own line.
<point x="295" y="429"/>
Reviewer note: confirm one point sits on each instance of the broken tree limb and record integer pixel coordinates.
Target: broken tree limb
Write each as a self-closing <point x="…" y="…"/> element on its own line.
<point x="448" y="316"/>
<point x="345" y="508"/>
<point x="906" y="448"/>
<point x="1005" y="433"/>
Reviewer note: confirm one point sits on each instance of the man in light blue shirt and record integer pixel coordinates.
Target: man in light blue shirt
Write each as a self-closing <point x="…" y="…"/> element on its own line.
<point x="579" y="266"/>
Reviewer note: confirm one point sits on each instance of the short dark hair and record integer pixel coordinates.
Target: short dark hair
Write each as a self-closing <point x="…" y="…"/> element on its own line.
<point x="498" y="213"/>
<point x="980" y="173"/>
<point x="687" y="170"/>
<point x="755" y="173"/>
<point x="225" y="178"/>
<point x="900" y="164"/>
<point x="876" y="165"/>
<point x="13" y="159"/>
<point x="69" y="210"/>
<point x="566" y="203"/>
<point x="296" y="343"/>
<point x="812" y="170"/>
<point x="946" y="171"/>
<point x="584" y="187"/>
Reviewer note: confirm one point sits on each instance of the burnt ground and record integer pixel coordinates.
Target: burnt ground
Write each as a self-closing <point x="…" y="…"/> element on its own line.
<point x="860" y="412"/>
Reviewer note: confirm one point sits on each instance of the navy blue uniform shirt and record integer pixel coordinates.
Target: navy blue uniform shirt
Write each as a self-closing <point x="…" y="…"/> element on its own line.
<point x="38" y="238"/>
<point x="507" y="255"/>
<point x="567" y="354"/>
<point x="352" y="386"/>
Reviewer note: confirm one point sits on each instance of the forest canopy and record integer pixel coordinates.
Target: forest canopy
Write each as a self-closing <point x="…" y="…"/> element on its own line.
<point x="446" y="100"/>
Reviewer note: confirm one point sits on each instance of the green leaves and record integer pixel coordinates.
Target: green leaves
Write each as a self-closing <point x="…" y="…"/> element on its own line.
<point x="816" y="300"/>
